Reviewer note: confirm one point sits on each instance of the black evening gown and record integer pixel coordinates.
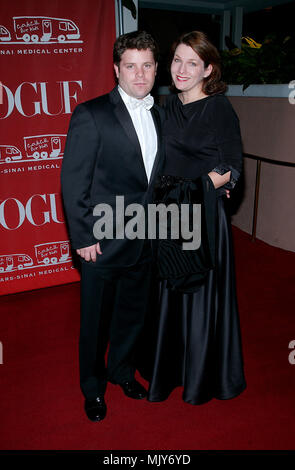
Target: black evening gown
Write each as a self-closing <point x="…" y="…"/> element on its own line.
<point x="196" y="341"/>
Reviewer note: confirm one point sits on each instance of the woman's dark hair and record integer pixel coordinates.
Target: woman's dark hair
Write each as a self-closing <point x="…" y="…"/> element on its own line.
<point x="135" y="40"/>
<point x="199" y="42"/>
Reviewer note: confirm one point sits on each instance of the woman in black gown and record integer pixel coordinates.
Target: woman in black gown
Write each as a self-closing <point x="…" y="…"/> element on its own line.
<point x="198" y="344"/>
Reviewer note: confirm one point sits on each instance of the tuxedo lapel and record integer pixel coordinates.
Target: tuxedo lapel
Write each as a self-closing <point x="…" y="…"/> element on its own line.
<point x="127" y="124"/>
<point x="157" y="122"/>
<point x="125" y="120"/>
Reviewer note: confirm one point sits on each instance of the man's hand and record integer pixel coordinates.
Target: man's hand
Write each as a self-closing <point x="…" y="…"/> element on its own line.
<point x="89" y="252"/>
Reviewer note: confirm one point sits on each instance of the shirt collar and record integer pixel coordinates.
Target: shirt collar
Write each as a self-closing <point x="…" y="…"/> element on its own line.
<point x="129" y="100"/>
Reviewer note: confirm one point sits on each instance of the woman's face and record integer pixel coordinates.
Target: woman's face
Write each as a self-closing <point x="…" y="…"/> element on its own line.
<point x="188" y="70"/>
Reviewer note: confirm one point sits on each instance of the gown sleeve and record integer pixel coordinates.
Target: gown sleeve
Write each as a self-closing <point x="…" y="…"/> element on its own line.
<point x="228" y="140"/>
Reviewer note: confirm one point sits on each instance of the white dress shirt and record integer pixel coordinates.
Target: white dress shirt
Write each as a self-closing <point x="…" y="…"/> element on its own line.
<point x="145" y="129"/>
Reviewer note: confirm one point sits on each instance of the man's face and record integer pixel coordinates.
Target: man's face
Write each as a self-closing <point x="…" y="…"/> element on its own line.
<point x="136" y="72"/>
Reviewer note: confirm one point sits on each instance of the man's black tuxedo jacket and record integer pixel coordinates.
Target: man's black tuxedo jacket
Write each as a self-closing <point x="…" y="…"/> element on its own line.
<point x="102" y="160"/>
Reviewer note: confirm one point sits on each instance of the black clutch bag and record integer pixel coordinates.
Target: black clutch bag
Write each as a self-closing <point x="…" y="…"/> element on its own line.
<point x="186" y="270"/>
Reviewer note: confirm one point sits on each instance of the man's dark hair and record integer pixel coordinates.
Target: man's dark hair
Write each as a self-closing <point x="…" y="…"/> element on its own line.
<point x="136" y="40"/>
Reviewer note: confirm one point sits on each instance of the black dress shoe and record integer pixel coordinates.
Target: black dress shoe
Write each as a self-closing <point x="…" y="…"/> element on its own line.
<point x="134" y="389"/>
<point x="96" y="409"/>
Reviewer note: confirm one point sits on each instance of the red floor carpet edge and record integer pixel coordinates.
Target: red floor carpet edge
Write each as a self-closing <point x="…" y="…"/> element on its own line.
<point x="42" y="408"/>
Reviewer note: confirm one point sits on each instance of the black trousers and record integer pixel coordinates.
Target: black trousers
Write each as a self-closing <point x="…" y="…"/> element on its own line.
<point x="113" y="307"/>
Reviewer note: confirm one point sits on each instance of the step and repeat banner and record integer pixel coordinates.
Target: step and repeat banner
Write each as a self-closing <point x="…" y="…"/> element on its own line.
<point x="53" y="55"/>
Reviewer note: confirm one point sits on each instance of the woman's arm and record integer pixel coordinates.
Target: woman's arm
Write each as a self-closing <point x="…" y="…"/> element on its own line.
<point x="228" y="140"/>
<point x="219" y="180"/>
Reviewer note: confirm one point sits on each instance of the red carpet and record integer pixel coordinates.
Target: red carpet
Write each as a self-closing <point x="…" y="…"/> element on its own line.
<point x="42" y="407"/>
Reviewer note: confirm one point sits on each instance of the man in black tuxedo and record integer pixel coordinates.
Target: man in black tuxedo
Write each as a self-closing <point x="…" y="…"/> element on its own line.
<point x="113" y="149"/>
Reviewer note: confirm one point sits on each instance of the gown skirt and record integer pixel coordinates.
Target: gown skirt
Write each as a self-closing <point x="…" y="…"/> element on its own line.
<point x="193" y="339"/>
